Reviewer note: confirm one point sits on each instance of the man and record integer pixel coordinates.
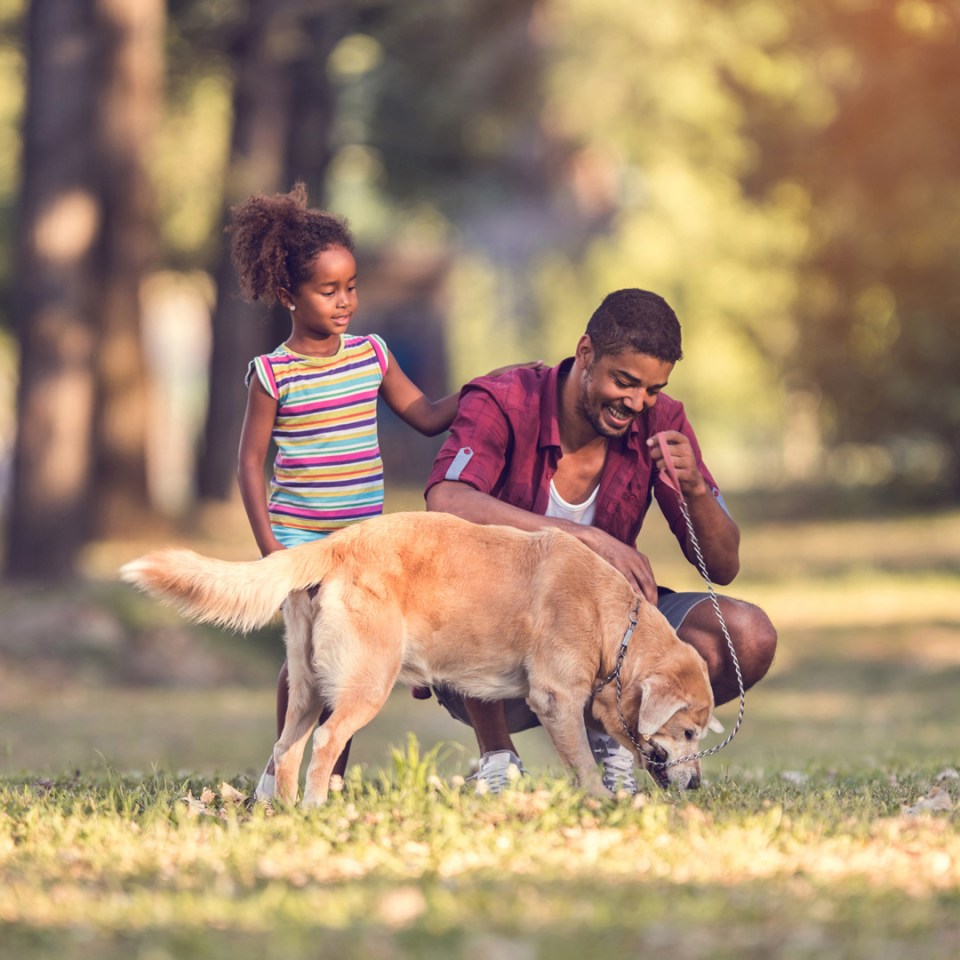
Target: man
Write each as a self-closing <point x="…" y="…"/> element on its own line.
<point x="573" y="447"/>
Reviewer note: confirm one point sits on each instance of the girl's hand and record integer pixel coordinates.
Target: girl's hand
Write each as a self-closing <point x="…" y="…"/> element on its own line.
<point x="532" y="364"/>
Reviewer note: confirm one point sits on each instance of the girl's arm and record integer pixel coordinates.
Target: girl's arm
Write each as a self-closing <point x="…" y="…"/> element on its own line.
<point x="412" y="405"/>
<point x="254" y="443"/>
<point x="414" y="408"/>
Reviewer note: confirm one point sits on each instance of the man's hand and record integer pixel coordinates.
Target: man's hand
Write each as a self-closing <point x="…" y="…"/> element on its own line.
<point x="634" y="565"/>
<point x="684" y="460"/>
<point x="718" y="535"/>
<point x="531" y="364"/>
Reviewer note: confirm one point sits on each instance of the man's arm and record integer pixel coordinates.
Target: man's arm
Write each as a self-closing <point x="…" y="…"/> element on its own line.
<point x="451" y="496"/>
<point x="718" y="535"/>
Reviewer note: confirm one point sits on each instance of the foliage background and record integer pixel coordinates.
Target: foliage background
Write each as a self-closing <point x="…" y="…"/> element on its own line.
<point x="784" y="173"/>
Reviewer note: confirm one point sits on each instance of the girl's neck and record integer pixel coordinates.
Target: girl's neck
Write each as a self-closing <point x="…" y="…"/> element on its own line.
<point x="325" y="345"/>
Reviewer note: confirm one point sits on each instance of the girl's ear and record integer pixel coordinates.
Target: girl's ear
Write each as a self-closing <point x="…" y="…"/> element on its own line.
<point x="286" y="301"/>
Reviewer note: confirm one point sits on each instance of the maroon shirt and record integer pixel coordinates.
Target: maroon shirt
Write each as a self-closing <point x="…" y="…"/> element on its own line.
<point x="505" y="441"/>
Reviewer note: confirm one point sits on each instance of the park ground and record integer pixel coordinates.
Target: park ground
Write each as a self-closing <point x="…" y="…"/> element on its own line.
<point x="129" y="741"/>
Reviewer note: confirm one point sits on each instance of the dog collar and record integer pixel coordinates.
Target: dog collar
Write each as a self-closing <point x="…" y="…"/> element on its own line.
<point x="644" y="744"/>
<point x="622" y="652"/>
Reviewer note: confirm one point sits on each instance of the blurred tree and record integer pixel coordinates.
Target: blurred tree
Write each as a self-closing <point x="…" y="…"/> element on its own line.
<point x="657" y="137"/>
<point x="446" y="132"/>
<point x="49" y="516"/>
<point x="130" y="72"/>
<point x="282" y="112"/>
<point x="85" y="240"/>
<point x="783" y="172"/>
<point x="879" y="302"/>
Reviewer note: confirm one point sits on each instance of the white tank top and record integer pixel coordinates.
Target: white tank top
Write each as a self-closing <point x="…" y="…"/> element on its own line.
<point x="574" y="512"/>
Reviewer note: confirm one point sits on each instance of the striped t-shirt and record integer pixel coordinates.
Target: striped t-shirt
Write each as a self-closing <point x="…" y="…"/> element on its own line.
<point x="327" y="472"/>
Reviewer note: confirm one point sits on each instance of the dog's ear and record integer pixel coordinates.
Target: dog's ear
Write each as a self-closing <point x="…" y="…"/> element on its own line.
<point x="658" y="704"/>
<point x="714" y="724"/>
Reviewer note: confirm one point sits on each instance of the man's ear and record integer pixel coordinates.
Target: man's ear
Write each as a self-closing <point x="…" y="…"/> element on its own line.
<point x="584" y="352"/>
<point x="658" y="704"/>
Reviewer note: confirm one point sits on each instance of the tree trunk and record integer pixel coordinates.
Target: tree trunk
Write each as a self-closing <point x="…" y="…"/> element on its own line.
<point x="283" y="111"/>
<point x="131" y="67"/>
<point x="261" y="116"/>
<point x="60" y="215"/>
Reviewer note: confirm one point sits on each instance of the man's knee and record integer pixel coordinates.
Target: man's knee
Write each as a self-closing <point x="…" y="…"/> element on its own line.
<point x="755" y="641"/>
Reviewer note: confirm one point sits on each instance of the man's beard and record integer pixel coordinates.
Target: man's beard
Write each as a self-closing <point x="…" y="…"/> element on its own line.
<point x="594" y="416"/>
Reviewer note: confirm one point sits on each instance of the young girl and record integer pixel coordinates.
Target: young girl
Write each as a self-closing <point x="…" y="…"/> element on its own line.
<point x="316" y="395"/>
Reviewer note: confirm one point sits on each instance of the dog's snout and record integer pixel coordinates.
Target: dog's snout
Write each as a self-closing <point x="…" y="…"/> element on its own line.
<point x="694" y="782"/>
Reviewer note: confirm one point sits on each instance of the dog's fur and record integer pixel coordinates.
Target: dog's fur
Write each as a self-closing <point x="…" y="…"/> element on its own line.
<point x="427" y="598"/>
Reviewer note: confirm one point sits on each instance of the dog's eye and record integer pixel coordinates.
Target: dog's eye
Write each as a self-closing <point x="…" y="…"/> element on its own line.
<point x="690" y="734"/>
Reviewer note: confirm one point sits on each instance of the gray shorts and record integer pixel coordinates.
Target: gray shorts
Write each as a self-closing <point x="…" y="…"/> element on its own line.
<point x="674" y="606"/>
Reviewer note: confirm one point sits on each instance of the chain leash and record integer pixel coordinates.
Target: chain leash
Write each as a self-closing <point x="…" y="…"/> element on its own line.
<point x="673" y="482"/>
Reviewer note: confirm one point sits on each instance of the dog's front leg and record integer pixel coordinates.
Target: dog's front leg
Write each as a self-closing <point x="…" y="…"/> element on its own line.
<point x="562" y="717"/>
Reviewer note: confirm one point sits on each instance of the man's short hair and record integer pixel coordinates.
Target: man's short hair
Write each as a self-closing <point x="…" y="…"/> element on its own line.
<point x="635" y="320"/>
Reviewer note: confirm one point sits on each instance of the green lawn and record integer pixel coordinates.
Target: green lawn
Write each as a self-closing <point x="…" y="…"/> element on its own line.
<point x="828" y="828"/>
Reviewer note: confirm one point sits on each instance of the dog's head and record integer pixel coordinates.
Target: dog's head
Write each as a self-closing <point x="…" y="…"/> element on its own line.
<point x="668" y="708"/>
<point x="670" y="725"/>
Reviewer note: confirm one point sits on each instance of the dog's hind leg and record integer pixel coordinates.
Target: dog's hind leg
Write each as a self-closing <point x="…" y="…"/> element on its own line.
<point x="350" y="714"/>
<point x="561" y="713"/>
<point x="301" y="718"/>
<point x="304" y="703"/>
<point x="364" y="674"/>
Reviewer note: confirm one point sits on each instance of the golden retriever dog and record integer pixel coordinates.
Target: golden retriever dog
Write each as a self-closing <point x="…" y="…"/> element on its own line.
<point x="428" y="598"/>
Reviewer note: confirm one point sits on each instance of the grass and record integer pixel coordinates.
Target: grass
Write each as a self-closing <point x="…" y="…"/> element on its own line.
<point x="828" y="828"/>
<point x="408" y="864"/>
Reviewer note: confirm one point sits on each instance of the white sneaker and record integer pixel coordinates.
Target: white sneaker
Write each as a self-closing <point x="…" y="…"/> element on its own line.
<point x="617" y="762"/>
<point x="266" y="788"/>
<point x="498" y="770"/>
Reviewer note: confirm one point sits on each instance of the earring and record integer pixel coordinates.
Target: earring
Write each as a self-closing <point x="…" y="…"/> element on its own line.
<point x="292" y="307"/>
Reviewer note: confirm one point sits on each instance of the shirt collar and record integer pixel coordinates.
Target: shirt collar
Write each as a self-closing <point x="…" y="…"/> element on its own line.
<point x="549" y="409"/>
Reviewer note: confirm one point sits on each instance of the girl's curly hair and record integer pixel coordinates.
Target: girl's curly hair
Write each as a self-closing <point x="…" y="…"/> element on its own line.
<point x="274" y="240"/>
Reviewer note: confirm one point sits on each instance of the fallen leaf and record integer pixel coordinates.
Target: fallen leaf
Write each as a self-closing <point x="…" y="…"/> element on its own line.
<point x="194" y="806"/>
<point x="935" y="801"/>
<point x="231" y="794"/>
<point x="948" y="773"/>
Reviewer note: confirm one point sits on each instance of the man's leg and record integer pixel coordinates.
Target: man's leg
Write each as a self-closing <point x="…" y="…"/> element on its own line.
<point x="489" y="722"/>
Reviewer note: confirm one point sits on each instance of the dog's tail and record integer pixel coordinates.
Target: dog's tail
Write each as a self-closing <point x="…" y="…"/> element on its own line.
<point x="240" y="595"/>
